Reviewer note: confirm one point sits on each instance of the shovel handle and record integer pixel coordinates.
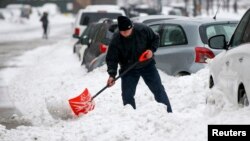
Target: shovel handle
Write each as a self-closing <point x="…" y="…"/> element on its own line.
<point x="92" y="98"/>
<point x="141" y="59"/>
<point x="123" y="73"/>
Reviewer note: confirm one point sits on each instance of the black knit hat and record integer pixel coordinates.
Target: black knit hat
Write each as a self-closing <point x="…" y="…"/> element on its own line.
<point x="124" y="23"/>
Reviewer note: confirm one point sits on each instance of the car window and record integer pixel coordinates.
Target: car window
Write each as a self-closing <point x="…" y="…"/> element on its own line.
<point x="87" y="18"/>
<point x="212" y="29"/>
<point x="172" y="35"/>
<point x="101" y="33"/>
<point x="86" y="34"/>
<point x="218" y="29"/>
<point x="246" y="36"/>
<point x="107" y="38"/>
<point x="155" y="28"/>
<point x="109" y="34"/>
<point x="240" y="30"/>
<point x="94" y="33"/>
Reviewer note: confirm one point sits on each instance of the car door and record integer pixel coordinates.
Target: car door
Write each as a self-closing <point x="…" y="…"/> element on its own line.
<point x="172" y="56"/>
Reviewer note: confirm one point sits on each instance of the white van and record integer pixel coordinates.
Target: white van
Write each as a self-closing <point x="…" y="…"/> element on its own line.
<point x="94" y="13"/>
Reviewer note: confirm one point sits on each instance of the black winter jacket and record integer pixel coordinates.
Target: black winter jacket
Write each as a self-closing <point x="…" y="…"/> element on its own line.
<point x="126" y="51"/>
<point x="44" y="20"/>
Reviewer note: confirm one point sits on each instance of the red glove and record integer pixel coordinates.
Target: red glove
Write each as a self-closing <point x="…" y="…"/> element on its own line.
<point x="146" y="55"/>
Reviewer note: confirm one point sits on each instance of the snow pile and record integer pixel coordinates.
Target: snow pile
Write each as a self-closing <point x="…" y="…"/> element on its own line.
<point x="58" y="108"/>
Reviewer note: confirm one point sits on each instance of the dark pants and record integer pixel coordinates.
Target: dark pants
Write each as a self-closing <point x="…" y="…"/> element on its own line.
<point x="45" y="31"/>
<point x="151" y="77"/>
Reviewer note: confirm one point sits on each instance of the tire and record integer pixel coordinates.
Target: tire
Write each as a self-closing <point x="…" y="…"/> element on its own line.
<point x="74" y="48"/>
<point x="84" y="56"/>
<point x="243" y="100"/>
<point x="180" y="74"/>
<point x="211" y="82"/>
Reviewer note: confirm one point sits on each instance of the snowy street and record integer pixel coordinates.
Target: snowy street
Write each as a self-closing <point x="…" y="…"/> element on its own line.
<point x="46" y="77"/>
<point x="38" y="77"/>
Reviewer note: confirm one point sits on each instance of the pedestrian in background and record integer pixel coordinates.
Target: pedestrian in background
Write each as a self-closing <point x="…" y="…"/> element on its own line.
<point x="125" y="48"/>
<point x="45" y="24"/>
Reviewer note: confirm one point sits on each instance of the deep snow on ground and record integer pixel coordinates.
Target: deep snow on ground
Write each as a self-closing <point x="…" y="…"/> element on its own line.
<point x="53" y="73"/>
<point x="50" y="75"/>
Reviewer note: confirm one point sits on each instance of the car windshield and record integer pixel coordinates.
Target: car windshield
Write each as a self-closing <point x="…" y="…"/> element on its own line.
<point x="226" y="29"/>
<point x="88" y="18"/>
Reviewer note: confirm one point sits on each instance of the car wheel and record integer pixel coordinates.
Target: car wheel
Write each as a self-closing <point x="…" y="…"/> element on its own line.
<point x="182" y="74"/>
<point x="83" y="61"/>
<point x="74" y="49"/>
<point x="84" y="56"/>
<point x="211" y="82"/>
<point x="243" y="100"/>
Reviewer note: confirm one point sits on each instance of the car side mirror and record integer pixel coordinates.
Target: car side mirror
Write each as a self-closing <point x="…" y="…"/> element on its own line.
<point x="218" y="42"/>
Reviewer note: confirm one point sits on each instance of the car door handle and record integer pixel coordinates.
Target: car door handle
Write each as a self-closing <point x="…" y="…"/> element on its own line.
<point x="241" y="59"/>
<point x="227" y="63"/>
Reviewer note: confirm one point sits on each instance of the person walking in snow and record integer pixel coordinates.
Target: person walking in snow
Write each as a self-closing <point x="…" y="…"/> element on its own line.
<point x="125" y="48"/>
<point x="45" y="23"/>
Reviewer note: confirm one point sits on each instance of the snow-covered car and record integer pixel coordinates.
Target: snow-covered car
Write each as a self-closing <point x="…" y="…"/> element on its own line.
<point x="229" y="71"/>
<point x="93" y="14"/>
<point x="20" y="10"/>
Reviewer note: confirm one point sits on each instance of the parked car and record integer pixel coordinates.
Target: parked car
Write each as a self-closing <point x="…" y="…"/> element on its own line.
<point x="184" y="43"/>
<point x="20" y="10"/>
<point x="85" y="40"/>
<point x="229" y="71"/>
<point x="99" y="43"/>
<point x="89" y="15"/>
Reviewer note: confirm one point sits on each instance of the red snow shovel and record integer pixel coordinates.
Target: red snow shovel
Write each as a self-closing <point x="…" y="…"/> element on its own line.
<point x="84" y="102"/>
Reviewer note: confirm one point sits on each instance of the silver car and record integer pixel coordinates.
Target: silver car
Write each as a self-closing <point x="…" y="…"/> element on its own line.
<point x="184" y="43"/>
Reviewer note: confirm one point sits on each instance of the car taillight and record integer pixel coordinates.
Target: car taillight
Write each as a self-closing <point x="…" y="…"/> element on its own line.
<point x="202" y="53"/>
<point x="103" y="48"/>
<point x="77" y="31"/>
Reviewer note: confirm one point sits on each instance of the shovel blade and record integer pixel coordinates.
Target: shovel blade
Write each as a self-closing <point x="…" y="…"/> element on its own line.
<point x="82" y="104"/>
